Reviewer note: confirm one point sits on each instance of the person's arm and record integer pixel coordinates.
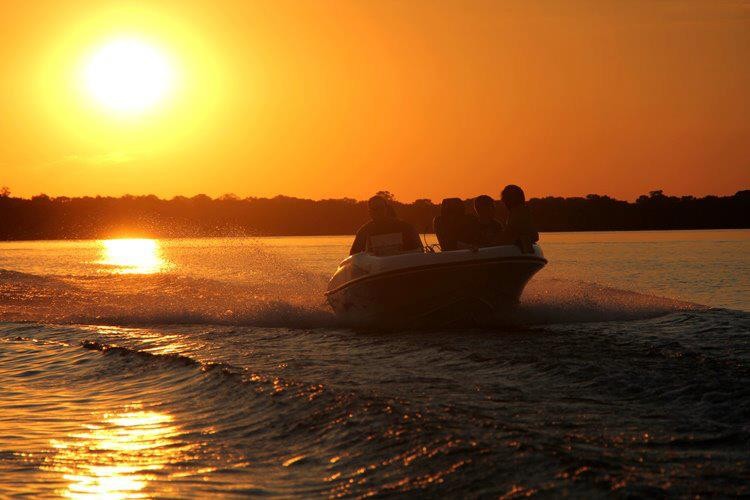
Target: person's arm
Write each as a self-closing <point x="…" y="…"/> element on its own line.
<point x="412" y="241"/>
<point x="510" y="232"/>
<point x="360" y="241"/>
<point x="520" y="231"/>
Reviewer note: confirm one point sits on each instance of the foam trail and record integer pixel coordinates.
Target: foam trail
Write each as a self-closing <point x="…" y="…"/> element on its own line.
<point x="299" y="303"/>
<point x="552" y="301"/>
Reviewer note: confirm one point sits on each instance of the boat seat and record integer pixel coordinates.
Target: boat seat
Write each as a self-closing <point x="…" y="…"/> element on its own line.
<point x="386" y="244"/>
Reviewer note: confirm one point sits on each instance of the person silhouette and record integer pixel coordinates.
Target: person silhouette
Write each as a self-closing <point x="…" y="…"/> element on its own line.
<point x="385" y="234"/>
<point x="454" y="228"/>
<point x="489" y="230"/>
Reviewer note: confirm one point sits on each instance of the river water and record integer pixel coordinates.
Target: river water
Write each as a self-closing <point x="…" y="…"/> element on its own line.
<point x="172" y="368"/>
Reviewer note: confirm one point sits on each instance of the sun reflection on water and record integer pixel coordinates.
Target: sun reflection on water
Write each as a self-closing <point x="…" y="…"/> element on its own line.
<point x="133" y="255"/>
<point x="118" y="456"/>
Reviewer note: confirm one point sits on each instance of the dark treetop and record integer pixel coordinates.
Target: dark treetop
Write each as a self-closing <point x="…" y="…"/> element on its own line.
<point x="42" y="217"/>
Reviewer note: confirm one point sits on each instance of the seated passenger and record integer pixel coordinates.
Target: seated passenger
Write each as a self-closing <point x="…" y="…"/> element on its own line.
<point x="385" y="234"/>
<point x="489" y="230"/>
<point x="519" y="229"/>
<point x="453" y="227"/>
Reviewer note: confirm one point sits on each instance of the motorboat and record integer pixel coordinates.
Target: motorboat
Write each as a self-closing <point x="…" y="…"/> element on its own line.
<point x="432" y="287"/>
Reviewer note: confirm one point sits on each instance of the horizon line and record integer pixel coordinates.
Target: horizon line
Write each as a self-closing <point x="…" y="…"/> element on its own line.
<point x="7" y="193"/>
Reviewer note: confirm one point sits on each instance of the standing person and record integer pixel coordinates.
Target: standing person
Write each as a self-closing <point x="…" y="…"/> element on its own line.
<point x="489" y="230"/>
<point x="385" y="234"/>
<point x="519" y="229"/>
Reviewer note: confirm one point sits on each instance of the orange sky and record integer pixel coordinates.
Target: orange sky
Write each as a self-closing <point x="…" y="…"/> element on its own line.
<point x="425" y="98"/>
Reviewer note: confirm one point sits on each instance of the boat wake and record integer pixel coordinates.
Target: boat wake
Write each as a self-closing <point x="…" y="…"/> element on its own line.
<point x="555" y="301"/>
<point x="174" y="299"/>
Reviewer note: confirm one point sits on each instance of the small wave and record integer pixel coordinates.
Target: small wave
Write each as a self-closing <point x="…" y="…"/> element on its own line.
<point x="126" y="351"/>
<point x="150" y="360"/>
<point x="10" y="276"/>
<point x="271" y="315"/>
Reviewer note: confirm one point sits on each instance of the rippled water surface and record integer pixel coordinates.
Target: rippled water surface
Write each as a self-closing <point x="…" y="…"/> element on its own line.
<point x="141" y="368"/>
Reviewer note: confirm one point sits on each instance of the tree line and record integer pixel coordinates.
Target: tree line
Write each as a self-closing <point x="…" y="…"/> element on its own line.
<point x="44" y="217"/>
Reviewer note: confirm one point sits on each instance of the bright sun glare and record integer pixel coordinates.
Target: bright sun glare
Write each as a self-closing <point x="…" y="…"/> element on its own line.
<point x="132" y="256"/>
<point x="128" y="76"/>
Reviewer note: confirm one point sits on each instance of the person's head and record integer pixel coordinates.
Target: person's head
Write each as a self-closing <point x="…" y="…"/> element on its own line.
<point x="378" y="208"/>
<point x="452" y="207"/>
<point x="512" y="196"/>
<point x="484" y="206"/>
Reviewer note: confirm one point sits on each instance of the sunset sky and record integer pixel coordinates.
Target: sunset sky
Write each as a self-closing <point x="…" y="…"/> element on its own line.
<point x="323" y="99"/>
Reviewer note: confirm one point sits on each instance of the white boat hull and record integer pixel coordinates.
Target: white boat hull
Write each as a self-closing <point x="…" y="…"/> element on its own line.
<point x="429" y="288"/>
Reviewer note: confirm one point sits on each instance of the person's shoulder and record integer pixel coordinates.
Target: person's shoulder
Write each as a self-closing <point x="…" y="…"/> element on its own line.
<point x="519" y="211"/>
<point x="404" y="225"/>
<point x="367" y="226"/>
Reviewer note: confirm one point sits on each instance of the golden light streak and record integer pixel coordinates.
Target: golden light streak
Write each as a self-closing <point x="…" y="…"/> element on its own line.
<point x="117" y="457"/>
<point x="133" y="256"/>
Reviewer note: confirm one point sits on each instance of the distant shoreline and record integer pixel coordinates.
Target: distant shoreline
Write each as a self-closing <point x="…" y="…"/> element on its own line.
<point x="86" y="218"/>
<point x="429" y="235"/>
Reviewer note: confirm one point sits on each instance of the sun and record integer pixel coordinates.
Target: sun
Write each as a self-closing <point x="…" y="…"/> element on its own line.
<point x="128" y="76"/>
